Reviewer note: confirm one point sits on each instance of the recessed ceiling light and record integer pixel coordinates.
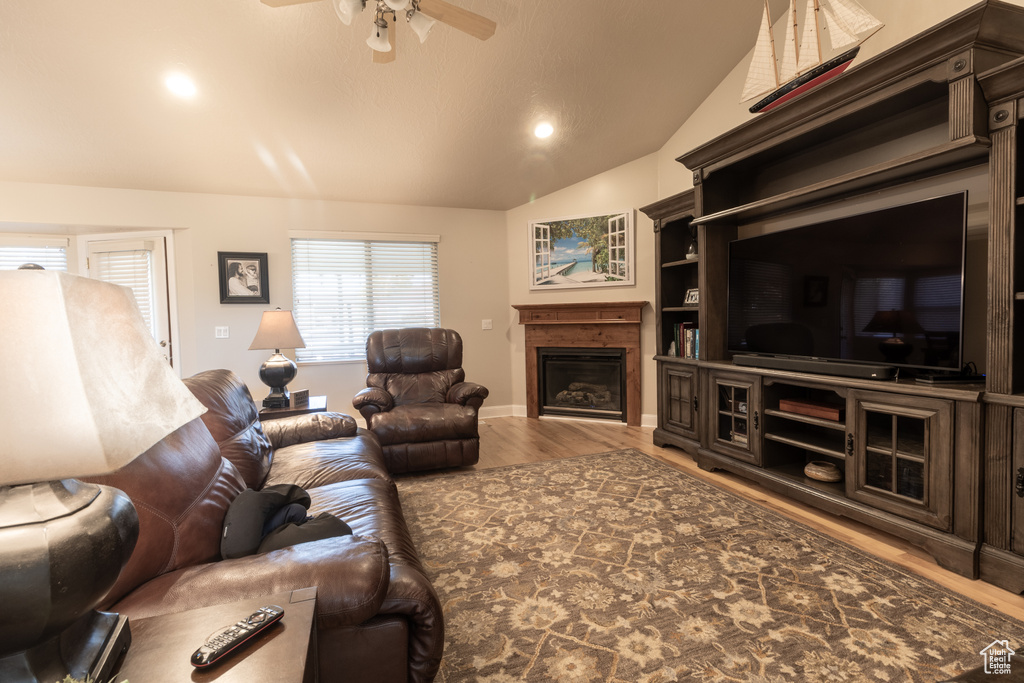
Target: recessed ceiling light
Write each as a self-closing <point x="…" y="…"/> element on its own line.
<point x="181" y="85"/>
<point x="543" y="130"/>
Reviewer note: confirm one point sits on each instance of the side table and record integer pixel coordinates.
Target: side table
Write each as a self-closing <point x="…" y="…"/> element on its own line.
<point x="317" y="404"/>
<point x="286" y="653"/>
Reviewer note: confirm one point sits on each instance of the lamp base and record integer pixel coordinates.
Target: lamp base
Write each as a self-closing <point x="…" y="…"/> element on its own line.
<point x="276" y="401"/>
<point x="91" y="648"/>
<point x="276" y="372"/>
<point x="62" y="545"/>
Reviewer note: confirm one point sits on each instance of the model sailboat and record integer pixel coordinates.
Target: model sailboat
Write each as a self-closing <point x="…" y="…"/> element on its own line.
<point x="803" y="66"/>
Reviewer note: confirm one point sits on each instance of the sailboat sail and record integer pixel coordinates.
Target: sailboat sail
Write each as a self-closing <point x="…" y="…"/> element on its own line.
<point x="847" y="24"/>
<point x="788" y="68"/>
<point x="809" y="54"/>
<point x="852" y="18"/>
<point x="762" y="77"/>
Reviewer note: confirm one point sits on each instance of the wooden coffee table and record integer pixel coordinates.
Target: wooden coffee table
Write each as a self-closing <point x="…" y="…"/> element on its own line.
<point x="285" y="653"/>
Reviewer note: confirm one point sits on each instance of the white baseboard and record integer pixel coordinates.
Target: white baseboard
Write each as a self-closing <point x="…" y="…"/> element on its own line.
<point x="517" y="410"/>
<point x="499" y="411"/>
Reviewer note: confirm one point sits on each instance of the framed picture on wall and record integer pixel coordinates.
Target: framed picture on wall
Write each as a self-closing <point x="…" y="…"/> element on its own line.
<point x="582" y="251"/>
<point x="243" y="277"/>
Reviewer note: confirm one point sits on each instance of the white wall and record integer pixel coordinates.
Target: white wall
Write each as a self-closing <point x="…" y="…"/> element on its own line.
<point x="472" y="263"/>
<point x="631" y="185"/>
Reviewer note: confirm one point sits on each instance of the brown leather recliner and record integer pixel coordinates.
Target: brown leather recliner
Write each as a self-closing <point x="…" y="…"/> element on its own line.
<point x="417" y="401"/>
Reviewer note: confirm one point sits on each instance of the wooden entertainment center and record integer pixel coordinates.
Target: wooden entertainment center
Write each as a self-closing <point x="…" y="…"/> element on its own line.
<point x="939" y="465"/>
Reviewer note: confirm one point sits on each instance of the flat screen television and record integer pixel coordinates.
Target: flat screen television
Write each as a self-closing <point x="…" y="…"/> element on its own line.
<point x="884" y="288"/>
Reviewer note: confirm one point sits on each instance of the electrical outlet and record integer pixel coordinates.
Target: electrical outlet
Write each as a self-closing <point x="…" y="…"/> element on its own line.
<point x="485" y="324"/>
<point x="220" y="332"/>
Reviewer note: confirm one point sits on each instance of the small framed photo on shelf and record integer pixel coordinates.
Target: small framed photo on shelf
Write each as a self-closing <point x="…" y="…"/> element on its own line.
<point x="243" y="277"/>
<point x="692" y="297"/>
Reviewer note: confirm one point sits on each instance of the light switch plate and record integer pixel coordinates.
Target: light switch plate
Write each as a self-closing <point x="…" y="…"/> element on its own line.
<point x="220" y="332"/>
<point x="485" y="324"/>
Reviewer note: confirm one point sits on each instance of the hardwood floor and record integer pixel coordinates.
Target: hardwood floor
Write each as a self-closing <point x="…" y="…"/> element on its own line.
<point x="515" y="440"/>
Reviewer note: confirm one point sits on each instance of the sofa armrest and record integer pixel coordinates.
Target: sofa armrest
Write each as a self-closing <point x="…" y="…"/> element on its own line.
<point x="372" y="400"/>
<point x="287" y="431"/>
<point x="467" y="394"/>
<point x="351" y="574"/>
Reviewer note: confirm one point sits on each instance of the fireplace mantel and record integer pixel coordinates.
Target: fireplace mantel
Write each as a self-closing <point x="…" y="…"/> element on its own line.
<point x="610" y="324"/>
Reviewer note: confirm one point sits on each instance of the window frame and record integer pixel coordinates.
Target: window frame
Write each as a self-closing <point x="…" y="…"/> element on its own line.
<point x="364" y="238"/>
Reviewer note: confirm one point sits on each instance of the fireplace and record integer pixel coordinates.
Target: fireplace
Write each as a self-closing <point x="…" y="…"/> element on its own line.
<point x="582" y="382"/>
<point x="597" y="328"/>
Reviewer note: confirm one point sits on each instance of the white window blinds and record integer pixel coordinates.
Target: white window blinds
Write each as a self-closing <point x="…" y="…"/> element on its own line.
<point x="344" y="289"/>
<point x="128" y="264"/>
<point x="51" y="254"/>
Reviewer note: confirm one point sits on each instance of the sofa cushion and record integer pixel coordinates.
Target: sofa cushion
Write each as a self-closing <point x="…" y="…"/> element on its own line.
<point x="312" y="427"/>
<point x="181" y="489"/>
<point x="425" y="422"/>
<point x="319" y="463"/>
<point x="234" y="422"/>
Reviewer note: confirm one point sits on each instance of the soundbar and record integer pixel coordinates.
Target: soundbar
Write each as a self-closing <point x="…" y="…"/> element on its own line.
<point x="817" y="366"/>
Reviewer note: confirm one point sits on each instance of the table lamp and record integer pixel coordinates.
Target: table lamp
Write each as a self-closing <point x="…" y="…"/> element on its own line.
<point x="902" y="323"/>
<point x="88" y="391"/>
<point x="277" y="331"/>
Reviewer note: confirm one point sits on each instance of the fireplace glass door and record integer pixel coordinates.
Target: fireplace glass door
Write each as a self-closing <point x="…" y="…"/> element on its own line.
<point x="582" y="382"/>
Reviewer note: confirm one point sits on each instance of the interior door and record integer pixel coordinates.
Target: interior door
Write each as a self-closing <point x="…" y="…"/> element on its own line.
<point x="138" y="261"/>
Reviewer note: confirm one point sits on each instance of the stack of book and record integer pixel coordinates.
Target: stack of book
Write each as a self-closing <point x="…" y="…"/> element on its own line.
<point x="687" y="340"/>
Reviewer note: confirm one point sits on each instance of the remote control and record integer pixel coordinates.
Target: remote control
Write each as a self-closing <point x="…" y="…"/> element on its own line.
<point x="230" y="638"/>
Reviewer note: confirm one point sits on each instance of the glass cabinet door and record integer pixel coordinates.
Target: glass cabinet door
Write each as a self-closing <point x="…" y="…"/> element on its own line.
<point x="902" y="455"/>
<point x="735" y="417"/>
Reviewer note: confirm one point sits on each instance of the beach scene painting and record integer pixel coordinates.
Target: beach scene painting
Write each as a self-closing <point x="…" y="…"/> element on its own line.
<point x="582" y="251"/>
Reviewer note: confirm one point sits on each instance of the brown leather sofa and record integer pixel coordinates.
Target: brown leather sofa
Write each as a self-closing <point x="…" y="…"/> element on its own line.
<point x="378" y="616"/>
<point x="418" y="401"/>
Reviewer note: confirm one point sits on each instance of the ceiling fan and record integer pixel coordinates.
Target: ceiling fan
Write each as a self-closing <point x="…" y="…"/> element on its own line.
<point x="419" y="14"/>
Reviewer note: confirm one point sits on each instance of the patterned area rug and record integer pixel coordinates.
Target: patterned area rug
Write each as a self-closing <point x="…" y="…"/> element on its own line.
<point x="616" y="567"/>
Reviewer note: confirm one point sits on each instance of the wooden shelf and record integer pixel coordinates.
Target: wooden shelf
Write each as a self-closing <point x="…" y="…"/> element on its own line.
<point x="795" y="473"/>
<point x="808" y="441"/>
<point x="682" y="262"/>
<point x="679" y="309"/>
<point x="806" y="419"/>
<point x="955" y="155"/>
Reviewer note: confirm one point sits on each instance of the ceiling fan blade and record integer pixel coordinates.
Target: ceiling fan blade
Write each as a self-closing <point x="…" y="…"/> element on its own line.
<point x="285" y="3"/>
<point x="389" y="56"/>
<point x="458" y="18"/>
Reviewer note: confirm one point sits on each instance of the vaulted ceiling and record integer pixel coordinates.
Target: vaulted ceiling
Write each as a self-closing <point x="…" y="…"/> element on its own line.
<point x="289" y="103"/>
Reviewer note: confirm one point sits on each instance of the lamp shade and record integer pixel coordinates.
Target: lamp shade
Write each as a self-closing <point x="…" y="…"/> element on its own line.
<point x="378" y="39"/>
<point x="347" y="9"/>
<point x="894" y="322"/>
<point x="88" y="389"/>
<point x="277" y="330"/>
<point x="421" y="24"/>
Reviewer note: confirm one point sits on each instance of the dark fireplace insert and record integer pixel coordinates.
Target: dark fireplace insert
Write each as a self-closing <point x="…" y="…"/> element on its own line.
<point x="585" y="382"/>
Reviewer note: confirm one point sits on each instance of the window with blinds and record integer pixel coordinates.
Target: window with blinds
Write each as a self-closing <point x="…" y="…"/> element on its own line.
<point x="131" y="268"/>
<point x="344" y="289"/>
<point x="873" y="294"/>
<point x="51" y="254"/>
<point x="763" y="289"/>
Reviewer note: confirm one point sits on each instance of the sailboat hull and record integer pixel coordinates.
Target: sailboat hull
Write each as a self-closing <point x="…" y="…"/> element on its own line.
<point x="806" y="81"/>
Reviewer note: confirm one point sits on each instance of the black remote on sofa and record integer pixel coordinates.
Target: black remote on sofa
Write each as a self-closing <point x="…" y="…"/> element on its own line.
<point x="232" y="637"/>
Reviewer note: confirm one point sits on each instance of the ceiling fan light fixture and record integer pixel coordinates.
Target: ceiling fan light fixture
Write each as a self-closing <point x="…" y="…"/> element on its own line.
<point x="347" y="9"/>
<point x="397" y="5"/>
<point x="421" y="24"/>
<point x="378" y="39"/>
